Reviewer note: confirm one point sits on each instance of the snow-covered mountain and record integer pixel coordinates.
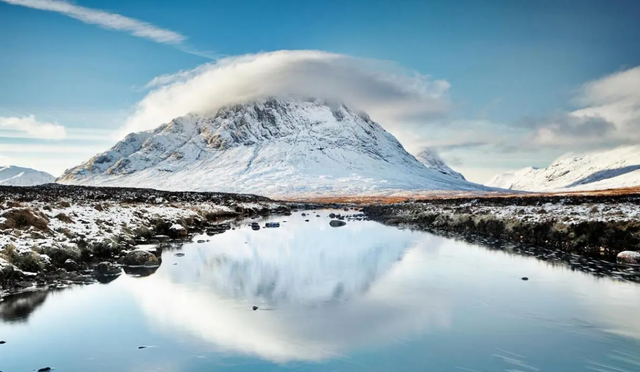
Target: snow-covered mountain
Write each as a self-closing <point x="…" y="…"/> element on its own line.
<point x="609" y="169"/>
<point x="432" y="160"/>
<point x="272" y="147"/>
<point x="12" y="175"/>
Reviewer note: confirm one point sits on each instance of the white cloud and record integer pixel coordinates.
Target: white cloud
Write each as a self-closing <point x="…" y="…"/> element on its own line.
<point x="28" y="126"/>
<point x="609" y="115"/>
<point x="387" y="92"/>
<point x="104" y="19"/>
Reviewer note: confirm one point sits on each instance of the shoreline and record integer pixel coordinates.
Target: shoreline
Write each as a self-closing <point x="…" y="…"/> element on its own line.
<point x="587" y="232"/>
<point x="57" y="235"/>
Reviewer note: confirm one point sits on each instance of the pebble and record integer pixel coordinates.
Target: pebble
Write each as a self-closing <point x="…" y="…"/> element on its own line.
<point x="45" y="369"/>
<point x="255" y="308"/>
<point x="3" y="342"/>
<point x="525" y="278"/>
<point x="142" y="347"/>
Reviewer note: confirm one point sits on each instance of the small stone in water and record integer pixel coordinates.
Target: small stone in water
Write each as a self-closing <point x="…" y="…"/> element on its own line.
<point x="45" y="369"/>
<point x="179" y="254"/>
<point x="3" y="342"/>
<point x="255" y="308"/>
<point x="306" y="220"/>
<point x="142" y="347"/>
<point x="525" y="278"/>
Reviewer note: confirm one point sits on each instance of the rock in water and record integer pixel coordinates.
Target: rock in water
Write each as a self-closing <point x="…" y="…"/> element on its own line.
<point x="332" y="215"/>
<point x="107" y="268"/>
<point x="628" y="258"/>
<point x="140" y="258"/>
<point x="179" y="254"/>
<point x="272" y="224"/>
<point x="337" y="223"/>
<point x="255" y="308"/>
<point x="3" y="342"/>
<point x="45" y="369"/>
<point x="525" y="278"/>
<point x="177" y="231"/>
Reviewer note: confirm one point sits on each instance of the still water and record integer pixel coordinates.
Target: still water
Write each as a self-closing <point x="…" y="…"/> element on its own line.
<point x="362" y="297"/>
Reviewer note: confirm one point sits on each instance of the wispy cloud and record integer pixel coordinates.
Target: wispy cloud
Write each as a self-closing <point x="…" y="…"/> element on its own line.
<point x="29" y="127"/>
<point x="106" y="20"/>
<point x="609" y="116"/>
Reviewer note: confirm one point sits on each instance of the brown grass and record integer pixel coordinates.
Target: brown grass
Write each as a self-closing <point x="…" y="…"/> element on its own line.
<point x="64" y="218"/>
<point x="24" y="219"/>
<point x="444" y="195"/>
<point x="29" y="261"/>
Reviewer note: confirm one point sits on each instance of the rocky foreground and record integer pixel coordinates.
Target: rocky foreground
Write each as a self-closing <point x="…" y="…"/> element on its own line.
<point x="588" y="232"/>
<point x="60" y="235"/>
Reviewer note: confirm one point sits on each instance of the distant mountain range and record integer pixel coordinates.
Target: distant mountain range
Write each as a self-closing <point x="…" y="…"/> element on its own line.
<point x="609" y="169"/>
<point x="272" y="147"/>
<point x="12" y="175"/>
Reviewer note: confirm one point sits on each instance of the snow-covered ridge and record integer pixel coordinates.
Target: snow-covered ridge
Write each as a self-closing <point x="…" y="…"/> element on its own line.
<point x="273" y="147"/>
<point x="609" y="169"/>
<point x="12" y="175"/>
<point x="432" y="160"/>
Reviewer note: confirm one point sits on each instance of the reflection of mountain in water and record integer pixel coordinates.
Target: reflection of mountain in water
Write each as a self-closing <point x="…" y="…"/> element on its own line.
<point x="18" y="308"/>
<point x="374" y="272"/>
<point x="311" y="275"/>
<point x="308" y="267"/>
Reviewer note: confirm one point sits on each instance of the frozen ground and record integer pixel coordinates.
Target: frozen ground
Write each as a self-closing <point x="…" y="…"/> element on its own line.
<point x="586" y="225"/>
<point x="43" y="227"/>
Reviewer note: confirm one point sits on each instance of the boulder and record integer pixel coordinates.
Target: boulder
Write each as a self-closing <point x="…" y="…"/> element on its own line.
<point x="337" y="223"/>
<point x="177" y="231"/>
<point x="71" y="265"/>
<point x="107" y="269"/>
<point x="140" y="258"/>
<point x="628" y="258"/>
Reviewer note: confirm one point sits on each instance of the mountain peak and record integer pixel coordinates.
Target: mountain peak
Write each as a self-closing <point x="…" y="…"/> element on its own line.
<point x="11" y="175"/>
<point x="272" y="147"/>
<point x="619" y="167"/>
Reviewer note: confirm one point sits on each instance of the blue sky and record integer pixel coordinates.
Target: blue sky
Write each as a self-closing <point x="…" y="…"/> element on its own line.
<point x="516" y="69"/>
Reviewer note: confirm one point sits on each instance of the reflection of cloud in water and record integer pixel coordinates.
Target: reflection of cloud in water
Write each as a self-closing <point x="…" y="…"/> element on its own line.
<point x="616" y="304"/>
<point x="381" y="299"/>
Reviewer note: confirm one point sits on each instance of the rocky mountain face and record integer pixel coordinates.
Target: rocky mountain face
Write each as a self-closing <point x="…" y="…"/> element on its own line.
<point x="601" y="170"/>
<point x="432" y="160"/>
<point x="12" y="175"/>
<point x="273" y="147"/>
